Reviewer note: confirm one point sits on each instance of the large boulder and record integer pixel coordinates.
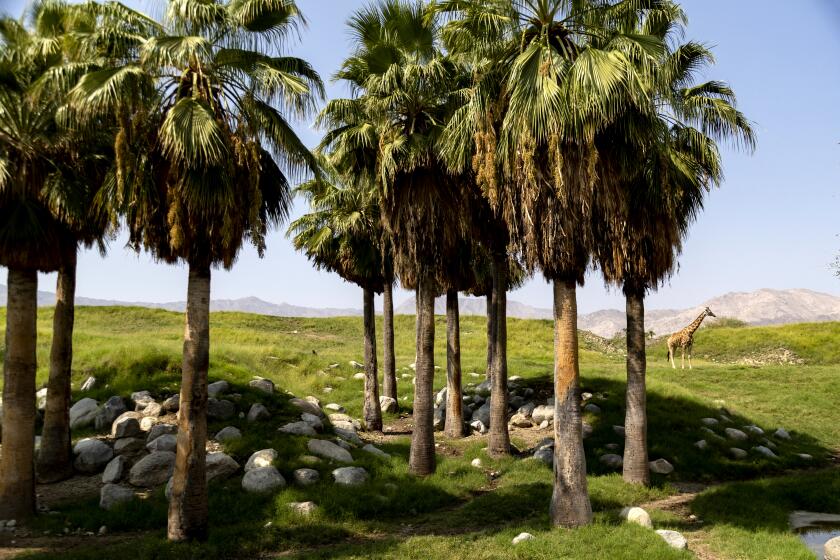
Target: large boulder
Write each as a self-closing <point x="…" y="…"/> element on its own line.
<point x="217" y="388"/>
<point x="263" y="480"/>
<point x="638" y="516"/>
<point x="482" y="414"/>
<point x="350" y="476"/>
<point x="299" y="428"/>
<point x="161" y="430"/>
<point x="261" y="384"/>
<point x="348" y="434"/>
<point x="541" y="413"/>
<point x="259" y="459"/>
<point x="115" y="470"/>
<point x="92" y="455"/>
<point x="83" y="413"/>
<point x="110" y="411"/>
<point x="141" y="399"/>
<point x="612" y="460"/>
<point x="167" y="442"/>
<point x="370" y="448"/>
<point x="112" y="495"/>
<point x="152" y="470"/>
<point x="153" y="409"/>
<point x="130" y="446"/>
<point x="388" y="405"/>
<point x="483" y="389"/>
<point x="313" y="420"/>
<point x="545" y="454"/>
<point x="220" y="466"/>
<point x="172" y="404"/>
<point x="832" y="549"/>
<point x="306" y="477"/>
<point x="520" y="421"/>
<point x="329" y="450"/>
<point x="661" y="466"/>
<point x="220" y="409"/>
<point x="125" y="426"/>
<point x="229" y="433"/>
<point x="735" y="434"/>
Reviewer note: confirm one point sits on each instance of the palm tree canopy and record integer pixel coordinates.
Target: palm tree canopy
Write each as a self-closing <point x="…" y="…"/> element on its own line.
<point x="204" y="151"/>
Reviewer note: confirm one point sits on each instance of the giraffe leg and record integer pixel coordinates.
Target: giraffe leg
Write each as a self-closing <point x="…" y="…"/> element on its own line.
<point x="683" y="357"/>
<point x="671" y="356"/>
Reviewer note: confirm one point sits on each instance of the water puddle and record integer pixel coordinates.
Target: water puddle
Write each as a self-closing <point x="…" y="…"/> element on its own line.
<point x="815" y="529"/>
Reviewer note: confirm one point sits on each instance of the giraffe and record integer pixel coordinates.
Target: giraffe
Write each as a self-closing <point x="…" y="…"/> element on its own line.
<point x="685" y="339"/>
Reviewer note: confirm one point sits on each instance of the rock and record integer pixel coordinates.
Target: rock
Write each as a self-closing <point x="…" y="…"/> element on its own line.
<point x="258" y="412"/>
<point x="440" y="397"/>
<point x="359" y="376"/>
<point x="375" y="451"/>
<point x="152" y="470"/>
<point x="476" y="463"/>
<point x="805" y="456"/>
<point x="586" y="429"/>
<point x="709" y="421"/>
<point x="329" y="450"/>
<point x="168" y="442"/>
<point x="350" y="476"/>
<point x="306" y="406"/>
<point x="306" y="477"/>
<point x="92" y="455"/>
<point x="661" y="466"/>
<point x="619" y="430"/>
<point x="263" y="480"/>
<point x="148" y="422"/>
<point x="769" y="444"/>
<point x="832" y="549"/>
<point x="103" y="530"/>
<point x="737" y="453"/>
<point x="115" y="470"/>
<point x="711" y="434"/>
<point x="335" y="407"/>
<point x="766" y="451"/>
<point x="220" y="466"/>
<point x="483" y="389"/>
<point x="172" y="404"/>
<point x="217" y="388"/>
<point x="673" y="538"/>
<point x="129" y="446"/>
<point x="112" y="495"/>
<point x="314" y="400"/>
<point x="141" y="399"/>
<point x="303" y="508"/>
<point x="41" y="399"/>
<point x="702" y="445"/>
<point x="755" y="430"/>
<point x="735" y="434"/>
<point x="612" y="460"/>
<point x="439" y="419"/>
<point x="161" y="430"/>
<point x="612" y="446"/>
<point x="478" y="426"/>
<point x="522" y="537"/>
<point x="314" y="421"/>
<point x="345" y="421"/>
<point x="585" y="396"/>
<point x="781" y="433"/>
<point x="482" y="414"/>
<point x="526" y="409"/>
<point x="262" y="458"/>
<point x="125" y="426"/>
<point x="592" y="408"/>
<point x="89" y="384"/>
<point x="388" y="405"/>
<point x="153" y="409"/>
<point x="261" y="384"/>
<point x="545" y="454"/>
<point x="542" y="413"/>
<point x="356" y="364"/>
<point x="220" y="409"/>
<point x="348" y="434"/>
<point x="229" y="433"/>
<point x="300" y="428"/>
<point x="113" y="408"/>
<point x="638" y="516"/>
<point x="83" y="413"/>
<point x="521" y="421"/>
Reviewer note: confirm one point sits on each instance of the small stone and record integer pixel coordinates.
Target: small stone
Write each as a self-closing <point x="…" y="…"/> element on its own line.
<point x="709" y="421"/>
<point x="172" y="404"/>
<point x="544" y="425"/>
<point x="638" y="516"/>
<point x="735" y="434"/>
<point x="356" y="364"/>
<point x="350" y="476"/>
<point x="781" y="433"/>
<point x="306" y="477"/>
<point x="102" y="531"/>
<point x="129" y="446"/>
<point x="612" y="447"/>
<point x="805" y="456"/>
<point x="262" y="458"/>
<point x="545" y="454"/>
<point x="263" y="480"/>
<point x="522" y="537"/>
<point x="478" y="426"/>
<point x="586" y="429"/>
<point x="217" y="388"/>
<point x="661" y="466"/>
<point x="41" y="399"/>
<point x="592" y="408"/>
<point x="230" y="433"/>
<point x="766" y="451"/>
<point x="147" y="422"/>
<point x="89" y="384"/>
<point x="113" y="408"/>
<point x="388" y="405"/>
<point x="521" y="421"/>
<point x="258" y="412"/>
<point x="112" y="495"/>
<point x="755" y="430"/>
<point x="542" y="413"/>
<point x="153" y="409"/>
<point x="334" y="407"/>
<point x="737" y="453"/>
<point x="300" y="428"/>
<point x="261" y="384"/>
<point x="359" y="376"/>
<point x="303" y="508"/>
<point x="329" y="450"/>
<point x="673" y="539"/>
<point x="306" y="406"/>
<point x="220" y="409"/>
<point x="370" y="448"/>
<point x="526" y="409"/>
<point x="477" y="463"/>
<point x="141" y="399"/>
<point x="612" y="460"/>
<point x="619" y="430"/>
<point x="711" y="434"/>
<point x="702" y="445"/>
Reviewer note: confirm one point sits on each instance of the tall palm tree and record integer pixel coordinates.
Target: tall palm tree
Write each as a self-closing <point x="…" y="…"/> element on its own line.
<point x="200" y="108"/>
<point x="342" y="234"/>
<point x="666" y="159"/>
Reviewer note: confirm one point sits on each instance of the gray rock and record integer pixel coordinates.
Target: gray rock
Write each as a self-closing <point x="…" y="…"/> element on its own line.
<point x="129" y="446"/>
<point x="388" y="405"/>
<point x="781" y="433"/>
<point x="619" y="430"/>
<point x="92" y="455"/>
<point x="258" y="412"/>
<point x="482" y="414"/>
<point x="83" y="413"/>
<point x="709" y="421"/>
<point x="735" y="434"/>
<point x="217" y="388"/>
<point x="306" y="477"/>
<point x="115" y="470"/>
<point x="586" y="429"/>
<point x="263" y="480"/>
<point x="805" y="456"/>
<point x="335" y="407"/>
<point x="300" y="428"/>
<point x="612" y="447"/>
<point x="125" y="426"/>
<point x="348" y="434"/>
<point x="638" y="516"/>
<point x="370" y="448"/>
<point x="141" y="399"/>
<point x="229" y="433"/>
<point x="306" y="406"/>
<point x="303" y="508"/>
<point x="592" y="408"/>
<point x="515" y="401"/>
<point x="329" y="450"/>
<point x="113" y="408"/>
<point x="152" y="470"/>
<point x="439" y="419"/>
<point x="41" y="399"/>
<point x="612" y="460"/>
<point x="313" y="420"/>
<point x="161" y="430"/>
<point x="483" y="389"/>
<point x="112" y="495"/>
<point x="440" y="396"/>
<point x="702" y="445"/>
<point x="264" y="385"/>
<point x="737" y="453"/>
<point x="262" y="458"/>
<point x="220" y="409"/>
<point x="522" y="537"/>
<point x="661" y="466"/>
<point x="478" y="426"/>
<point x="755" y="430"/>
<point x="345" y="421"/>
<point x="167" y="442"/>
<point x="673" y="539"/>
<point x="350" y="476"/>
<point x="711" y="434"/>
<point x="521" y="421"/>
<point x="766" y="451"/>
<point x="153" y="409"/>
<point x="148" y="422"/>
<point x="89" y="384"/>
<point x="545" y="454"/>
<point x="542" y="413"/>
<point x="220" y="466"/>
<point x="526" y="409"/>
<point x="172" y="404"/>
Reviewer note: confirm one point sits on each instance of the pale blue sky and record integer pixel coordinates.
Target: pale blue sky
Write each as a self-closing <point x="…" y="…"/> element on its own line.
<point x="773" y="224"/>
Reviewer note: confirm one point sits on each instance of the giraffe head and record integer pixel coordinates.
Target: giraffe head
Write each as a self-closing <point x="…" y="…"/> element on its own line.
<point x="709" y="313"/>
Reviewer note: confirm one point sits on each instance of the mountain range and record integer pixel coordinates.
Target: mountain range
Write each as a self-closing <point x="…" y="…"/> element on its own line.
<point x="761" y="307"/>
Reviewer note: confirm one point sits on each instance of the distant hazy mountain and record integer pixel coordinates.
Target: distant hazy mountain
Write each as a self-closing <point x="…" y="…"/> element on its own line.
<point x="762" y="307"/>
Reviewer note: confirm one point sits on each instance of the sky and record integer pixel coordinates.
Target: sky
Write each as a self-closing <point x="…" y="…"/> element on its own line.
<point x="772" y="224"/>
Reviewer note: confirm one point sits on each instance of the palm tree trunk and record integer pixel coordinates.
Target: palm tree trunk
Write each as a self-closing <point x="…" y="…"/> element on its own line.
<point x="491" y="334"/>
<point x="454" y="403"/>
<point x="636" y="469"/>
<point x="421" y="460"/>
<point x="389" y="362"/>
<point x="17" y="472"/>
<point x="55" y="459"/>
<point x="188" y="505"/>
<point x="371" y="409"/>
<point x="570" y="506"/>
<point x="499" y="440"/>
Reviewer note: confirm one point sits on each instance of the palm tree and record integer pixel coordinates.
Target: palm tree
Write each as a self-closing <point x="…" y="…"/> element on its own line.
<point x="666" y="159"/>
<point x="200" y="108"/>
<point x="342" y="234"/>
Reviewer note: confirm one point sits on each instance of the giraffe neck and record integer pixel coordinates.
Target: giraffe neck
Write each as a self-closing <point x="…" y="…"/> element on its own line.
<point x="696" y="323"/>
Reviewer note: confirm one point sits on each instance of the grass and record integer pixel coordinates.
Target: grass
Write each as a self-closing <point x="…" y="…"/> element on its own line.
<point x="462" y="510"/>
